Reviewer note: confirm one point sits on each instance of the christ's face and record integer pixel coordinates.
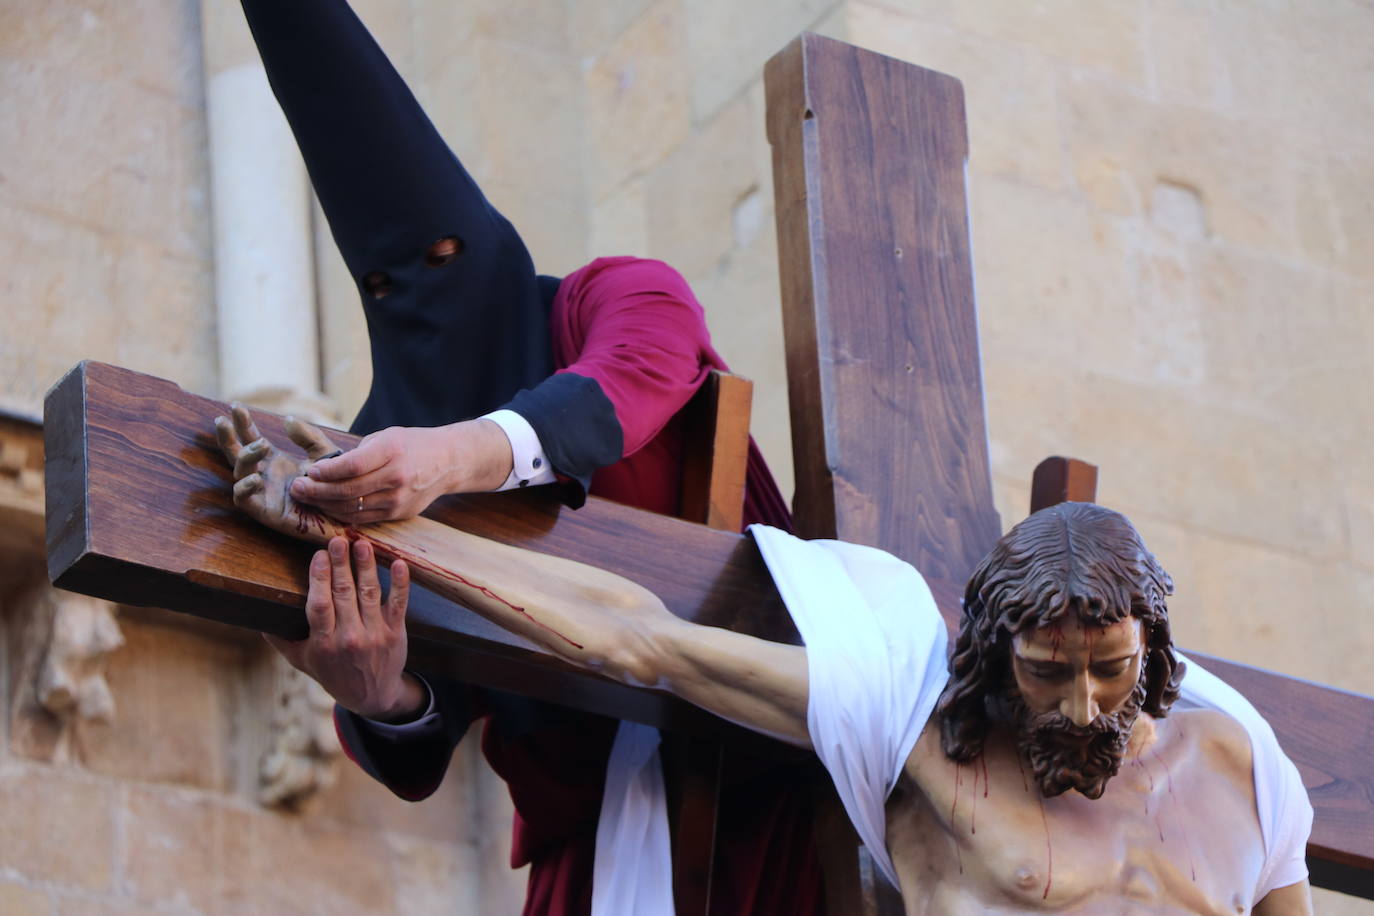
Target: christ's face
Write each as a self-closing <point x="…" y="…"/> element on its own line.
<point x="1076" y="669"/>
<point x="1079" y="692"/>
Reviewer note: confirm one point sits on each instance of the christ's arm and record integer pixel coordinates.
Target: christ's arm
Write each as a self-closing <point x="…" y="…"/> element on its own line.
<point x="1293" y="900"/>
<point x="592" y="618"/>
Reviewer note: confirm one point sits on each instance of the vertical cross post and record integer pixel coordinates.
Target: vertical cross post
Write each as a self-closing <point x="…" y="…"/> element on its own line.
<point x="888" y="430"/>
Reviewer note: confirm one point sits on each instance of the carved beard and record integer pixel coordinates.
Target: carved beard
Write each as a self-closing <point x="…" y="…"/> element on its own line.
<point x="1065" y="756"/>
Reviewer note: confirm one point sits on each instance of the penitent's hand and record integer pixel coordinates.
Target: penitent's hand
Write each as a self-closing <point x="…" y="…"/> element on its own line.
<point x="357" y="643"/>
<point x="263" y="472"/>
<point x="397" y="472"/>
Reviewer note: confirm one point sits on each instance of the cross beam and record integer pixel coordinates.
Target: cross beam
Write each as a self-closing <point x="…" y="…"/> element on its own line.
<point x="888" y="429"/>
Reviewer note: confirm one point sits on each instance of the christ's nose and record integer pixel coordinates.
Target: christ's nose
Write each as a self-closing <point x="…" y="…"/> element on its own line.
<point x="1080" y="706"/>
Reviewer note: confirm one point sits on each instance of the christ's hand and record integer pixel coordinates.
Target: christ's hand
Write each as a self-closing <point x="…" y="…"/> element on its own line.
<point x="263" y="473"/>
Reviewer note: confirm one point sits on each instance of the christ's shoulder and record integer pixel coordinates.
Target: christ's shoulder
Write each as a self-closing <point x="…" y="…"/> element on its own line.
<point x="1218" y="739"/>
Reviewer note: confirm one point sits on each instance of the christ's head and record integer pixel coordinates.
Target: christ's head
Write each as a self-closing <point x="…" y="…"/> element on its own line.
<point x="1065" y="640"/>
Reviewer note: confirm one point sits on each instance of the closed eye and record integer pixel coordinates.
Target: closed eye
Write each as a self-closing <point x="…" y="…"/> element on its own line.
<point x="1047" y="671"/>
<point x="1114" y="668"/>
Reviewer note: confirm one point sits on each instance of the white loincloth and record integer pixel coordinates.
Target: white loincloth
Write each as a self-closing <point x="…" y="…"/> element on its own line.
<point x="876" y="662"/>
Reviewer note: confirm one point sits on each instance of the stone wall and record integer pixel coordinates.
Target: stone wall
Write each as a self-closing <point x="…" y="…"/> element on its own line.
<point x="1175" y="262"/>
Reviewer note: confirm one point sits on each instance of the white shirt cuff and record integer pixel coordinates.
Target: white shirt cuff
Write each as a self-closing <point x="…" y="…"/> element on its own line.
<point x="530" y="466"/>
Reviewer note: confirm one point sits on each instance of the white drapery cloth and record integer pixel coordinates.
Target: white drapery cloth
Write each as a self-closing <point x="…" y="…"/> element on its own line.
<point x="876" y="662"/>
<point x="633" y="871"/>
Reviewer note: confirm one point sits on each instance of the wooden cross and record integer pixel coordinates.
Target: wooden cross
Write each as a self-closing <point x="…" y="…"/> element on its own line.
<point x="889" y="439"/>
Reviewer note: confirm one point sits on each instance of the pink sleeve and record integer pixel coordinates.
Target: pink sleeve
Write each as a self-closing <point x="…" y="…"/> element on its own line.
<point x="634" y="326"/>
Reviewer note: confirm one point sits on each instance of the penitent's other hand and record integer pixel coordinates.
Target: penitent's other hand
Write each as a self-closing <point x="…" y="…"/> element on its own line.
<point x="263" y="472"/>
<point x="357" y="643"/>
<point x="397" y="472"/>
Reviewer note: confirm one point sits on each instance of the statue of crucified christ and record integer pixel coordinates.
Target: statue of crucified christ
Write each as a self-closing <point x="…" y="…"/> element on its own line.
<point x="1055" y="773"/>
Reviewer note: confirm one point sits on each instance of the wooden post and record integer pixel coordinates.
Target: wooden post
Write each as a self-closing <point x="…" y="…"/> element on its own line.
<point x="888" y="433"/>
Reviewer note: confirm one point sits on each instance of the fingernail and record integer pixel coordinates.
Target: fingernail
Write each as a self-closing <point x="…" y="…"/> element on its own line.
<point x="361" y="549"/>
<point x="336" y="548"/>
<point x="313" y="472"/>
<point x="297" y="488"/>
<point x="320" y="561"/>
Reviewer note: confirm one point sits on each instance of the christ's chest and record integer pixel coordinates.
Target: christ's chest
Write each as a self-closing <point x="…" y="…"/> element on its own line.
<point x="1149" y="842"/>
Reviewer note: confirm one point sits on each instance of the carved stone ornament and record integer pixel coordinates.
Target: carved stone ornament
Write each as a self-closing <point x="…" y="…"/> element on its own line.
<point x="303" y="752"/>
<point x="63" y="641"/>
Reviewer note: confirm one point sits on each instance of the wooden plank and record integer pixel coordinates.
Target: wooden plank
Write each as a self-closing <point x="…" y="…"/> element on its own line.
<point x="1060" y="480"/>
<point x="140" y="512"/>
<point x="692" y="771"/>
<point x="715" y="464"/>
<point x="1329" y="734"/>
<point x="713" y="480"/>
<point x="888" y="429"/>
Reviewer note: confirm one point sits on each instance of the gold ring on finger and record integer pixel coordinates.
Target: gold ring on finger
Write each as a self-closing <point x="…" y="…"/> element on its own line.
<point x="360" y="504"/>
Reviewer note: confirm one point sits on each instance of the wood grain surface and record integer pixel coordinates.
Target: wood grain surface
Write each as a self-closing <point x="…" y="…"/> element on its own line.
<point x="140" y="511"/>
<point x="888" y="430"/>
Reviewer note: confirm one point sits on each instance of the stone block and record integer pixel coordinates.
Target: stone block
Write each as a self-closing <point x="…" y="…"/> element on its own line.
<point x="172" y="296"/>
<point x="345" y="352"/>
<point x="1297" y="65"/>
<point x="1030" y="404"/>
<point x="450" y="87"/>
<point x="594" y="24"/>
<point x="437" y="877"/>
<point x="1287" y="342"/>
<point x="176" y="696"/>
<point x="1182" y="456"/>
<point x="1182" y="42"/>
<point x="552" y="219"/>
<point x="1122" y="145"/>
<point x="1102" y="37"/>
<point x="636" y="97"/>
<point x="1212" y="466"/>
<point x="1359" y="516"/>
<point x="1059" y="281"/>
<point x="1011" y="497"/>
<point x="1009" y="88"/>
<point x="448" y="817"/>
<point x="1334" y="214"/>
<point x="620" y="222"/>
<point x="692" y="194"/>
<point x="84" y="294"/>
<point x="71" y="905"/>
<point x="728" y="43"/>
<point x="149" y="43"/>
<point x="393" y="25"/>
<point x="933" y="11"/>
<point x="1273" y="609"/>
<point x="531" y="121"/>
<point x="19" y="900"/>
<point x="59" y="826"/>
<point x="535" y="23"/>
<point x="503" y="888"/>
<point x="187" y="849"/>
<point x="1359" y="675"/>
<point x="1334" y="903"/>
<point x="150" y="179"/>
<point x="59" y="303"/>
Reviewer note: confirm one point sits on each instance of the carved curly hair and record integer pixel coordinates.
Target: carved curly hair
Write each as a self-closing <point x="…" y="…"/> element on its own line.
<point x="1075" y="557"/>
